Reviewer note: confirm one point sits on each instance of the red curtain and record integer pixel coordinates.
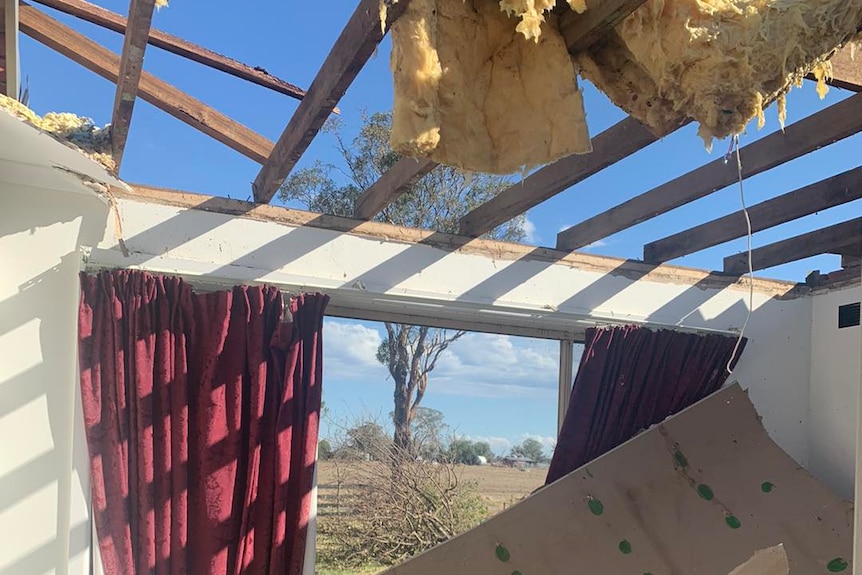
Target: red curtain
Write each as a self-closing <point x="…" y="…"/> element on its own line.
<point x="201" y="414"/>
<point x="631" y="378"/>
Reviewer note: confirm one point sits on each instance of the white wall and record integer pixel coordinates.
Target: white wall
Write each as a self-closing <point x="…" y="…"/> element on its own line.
<point x="834" y="383"/>
<point x="45" y="215"/>
<point x="44" y="488"/>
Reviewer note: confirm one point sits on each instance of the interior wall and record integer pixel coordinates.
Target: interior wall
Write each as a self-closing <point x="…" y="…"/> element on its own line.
<point x="835" y="365"/>
<point x="384" y="274"/>
<point x="44" y="466"/>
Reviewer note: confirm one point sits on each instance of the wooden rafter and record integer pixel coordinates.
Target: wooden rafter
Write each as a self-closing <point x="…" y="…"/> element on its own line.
<point x="580" y="31"/>
<point x="11" y="77"/>
<point x="807" y="200"/>
<point x="113" y="21"/>
<point x="393" y="183"/>
<point x="131" y="67"/>
<point x="614" y="144"/>
<point x="824" y="241"/>
<point x="162" y="95"/>
<point x="351" y="51"/>
<point x="2" y="51"/>
<point x="825" y="127"/>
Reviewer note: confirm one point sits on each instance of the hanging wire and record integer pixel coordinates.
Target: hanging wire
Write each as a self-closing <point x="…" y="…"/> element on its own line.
<point x="734" y="145"/>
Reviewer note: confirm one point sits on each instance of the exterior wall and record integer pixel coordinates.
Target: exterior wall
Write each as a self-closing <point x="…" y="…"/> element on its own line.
<point x="44" y="466"/>
<point x="834" y="383"/>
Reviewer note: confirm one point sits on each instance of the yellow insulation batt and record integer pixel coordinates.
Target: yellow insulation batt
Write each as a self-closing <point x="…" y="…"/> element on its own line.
<point x="719" y="62"/>
<point x="472" y="92"/>
<point x="75" y="131"/>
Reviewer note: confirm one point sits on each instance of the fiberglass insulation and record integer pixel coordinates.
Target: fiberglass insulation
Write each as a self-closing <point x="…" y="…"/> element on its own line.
<point x="719" y="62"/>
<point x="487" y="85"/>
<point x="472" y="92"/>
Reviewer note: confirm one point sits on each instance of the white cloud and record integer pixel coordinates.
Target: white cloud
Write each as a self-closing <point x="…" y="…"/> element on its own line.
<point x="350" y="351"/>
<point x="499" y="445"/>
<point x="594" y="245"/>
<point x="564" y="227"/>
<point x="530" y="233"/>
<point x="477" y="365"/>
<point x="496" y="366"/>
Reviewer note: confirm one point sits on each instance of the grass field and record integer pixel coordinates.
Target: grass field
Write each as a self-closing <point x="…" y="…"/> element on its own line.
<point x="500" y="487"/>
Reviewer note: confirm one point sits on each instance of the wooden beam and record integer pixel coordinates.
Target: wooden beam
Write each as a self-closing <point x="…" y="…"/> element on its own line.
<point x="846" y="71"/>
<point x="618" y="142"/>
<point x="824" y="241"/>
<point x="351" y="51"/>
<point x="3" y="51"/>
<point x="392" y="184"/>
<point x="113" y="21"/>
<point x="580" y="31"/>
<point x="160" y="94"/>
<point x="807" y="200"/>
<point x="835" y="123"/>
<point x="11" y="58"/>
<point x="131" y="67"/>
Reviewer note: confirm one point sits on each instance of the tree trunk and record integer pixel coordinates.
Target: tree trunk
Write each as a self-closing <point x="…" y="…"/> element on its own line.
<point x="401" y="418"/>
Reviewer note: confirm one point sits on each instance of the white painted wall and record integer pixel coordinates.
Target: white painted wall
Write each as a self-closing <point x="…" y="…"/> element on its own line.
<point x="834" y="385"/>
<point x="44" y="469"/>
<point x="46" y="214"/>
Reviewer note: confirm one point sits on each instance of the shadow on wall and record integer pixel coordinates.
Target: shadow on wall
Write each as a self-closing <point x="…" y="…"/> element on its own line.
<point x="44" y="466"/>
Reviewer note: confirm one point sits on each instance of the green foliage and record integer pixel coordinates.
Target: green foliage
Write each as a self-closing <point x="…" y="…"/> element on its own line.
<point x="531" y="449"/>
<point x="437" y="201"/>
<point x="468" y="452"/>
<point x="324" y="450"/>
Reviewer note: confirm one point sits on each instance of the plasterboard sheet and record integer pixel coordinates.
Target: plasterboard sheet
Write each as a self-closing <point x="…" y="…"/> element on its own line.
<point x="703" y="493"/>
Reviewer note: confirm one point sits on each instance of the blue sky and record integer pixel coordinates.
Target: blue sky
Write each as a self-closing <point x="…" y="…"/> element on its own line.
<point x="291" y="40"/>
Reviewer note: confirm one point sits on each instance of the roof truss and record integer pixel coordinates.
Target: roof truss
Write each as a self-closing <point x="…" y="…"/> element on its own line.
<point x="129" y="77"/>
<point x="842" y="238"/>
<point x="805" y="201"/>
<point x="357" y="43"/>
<point x="112" y="21"/>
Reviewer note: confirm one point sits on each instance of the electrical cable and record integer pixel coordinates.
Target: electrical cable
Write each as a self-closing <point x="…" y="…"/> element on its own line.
<point x="735" y="144"/>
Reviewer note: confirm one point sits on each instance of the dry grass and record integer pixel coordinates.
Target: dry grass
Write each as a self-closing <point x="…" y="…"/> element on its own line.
<point x="501" y="487"/>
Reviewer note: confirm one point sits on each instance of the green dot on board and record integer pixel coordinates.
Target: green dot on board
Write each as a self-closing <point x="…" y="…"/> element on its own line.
<point x="767" y="487"/>
<point x="502" y="553"/>
<point x="680" y="458"/>
<point x="836" y="565"/>
<point x="596" y="506"/>
<point x="705" y="491"/>
<point x="732" y="522"/>
<point x="625" y="547"/>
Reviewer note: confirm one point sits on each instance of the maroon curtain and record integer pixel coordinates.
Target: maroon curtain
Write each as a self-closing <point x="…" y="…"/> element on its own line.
<point x="631" y="378"/>
<point x="201" y="413"/>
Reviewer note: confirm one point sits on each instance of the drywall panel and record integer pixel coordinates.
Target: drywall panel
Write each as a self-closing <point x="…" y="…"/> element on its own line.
<point x="834" y="383"/>
<point x="701" y="493"/>
<point x="375" y="274"/>
<point x="44" y="469"/>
